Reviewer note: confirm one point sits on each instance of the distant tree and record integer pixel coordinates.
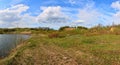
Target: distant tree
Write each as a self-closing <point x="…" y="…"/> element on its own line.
<point x="62" y="28"/>
<point x="80" y="27"/>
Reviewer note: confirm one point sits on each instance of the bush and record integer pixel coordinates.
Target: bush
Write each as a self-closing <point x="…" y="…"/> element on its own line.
<point x="56" y="35"/>
<point x="62" y="28"/>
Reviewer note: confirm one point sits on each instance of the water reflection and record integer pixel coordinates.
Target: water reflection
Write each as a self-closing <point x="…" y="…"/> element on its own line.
<point x="9" y="41"/>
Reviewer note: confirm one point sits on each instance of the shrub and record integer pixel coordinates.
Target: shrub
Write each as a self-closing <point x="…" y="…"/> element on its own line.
<point x="62" y="28"/>
<point x="56" y="35"/>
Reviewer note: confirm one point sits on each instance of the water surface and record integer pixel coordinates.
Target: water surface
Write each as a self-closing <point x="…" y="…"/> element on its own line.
<point x="10" y="41"/>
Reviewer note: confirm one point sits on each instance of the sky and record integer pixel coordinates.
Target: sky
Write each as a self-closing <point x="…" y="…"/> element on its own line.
<point x="58" y="13"/>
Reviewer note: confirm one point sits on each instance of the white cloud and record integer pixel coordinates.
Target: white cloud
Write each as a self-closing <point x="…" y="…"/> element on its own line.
<point x="116" y="15"/>
<point x="56" y="16"/>
<point x="26" y="21"/>
<point x="116" y="18"/>
<point x="79" y="21"/>
<point x="76" y="23"/>
<point x="116" y="5"/>
<point x="89" y="15"/>
<point x="13" y="13"/>
<point x="52" y="15"/>
<point x="79" y="2"/>
<point x="13" y="16"/>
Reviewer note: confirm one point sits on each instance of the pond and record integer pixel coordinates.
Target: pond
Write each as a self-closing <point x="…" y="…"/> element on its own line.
<point x="10" y="41"/>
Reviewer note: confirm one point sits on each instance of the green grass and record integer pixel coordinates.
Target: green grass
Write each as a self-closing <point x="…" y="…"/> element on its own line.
<point x="70" y="50"/>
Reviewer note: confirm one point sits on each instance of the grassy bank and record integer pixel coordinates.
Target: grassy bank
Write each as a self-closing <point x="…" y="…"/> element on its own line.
<point x="68" y="46"/>
<point x="69" y="50"/>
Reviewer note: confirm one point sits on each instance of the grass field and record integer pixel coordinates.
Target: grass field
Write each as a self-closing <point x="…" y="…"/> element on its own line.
<point x="69" y="50"/>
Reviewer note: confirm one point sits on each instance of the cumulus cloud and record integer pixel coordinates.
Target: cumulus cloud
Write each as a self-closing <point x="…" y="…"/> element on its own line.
<point x="76" y="23"/>
<point x="13" y="13"/>
<point x="116" y="18"/>
<point x="13" y="16"/>
<point x="52" y="15"/>
<point x="26" y="21"/>
<point x="57" y="16"/>
<point x="116" y="15"/>
<point x="116" y="5"/>
<point x="89" y="15"/>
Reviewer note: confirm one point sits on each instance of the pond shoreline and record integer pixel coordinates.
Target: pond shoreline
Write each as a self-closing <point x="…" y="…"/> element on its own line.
<point x="10" y="41"/>
<point x="12" y="53"/>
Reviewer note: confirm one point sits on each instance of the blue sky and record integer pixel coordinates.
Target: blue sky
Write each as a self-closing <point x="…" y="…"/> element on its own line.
<point x="57" y="13"/>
